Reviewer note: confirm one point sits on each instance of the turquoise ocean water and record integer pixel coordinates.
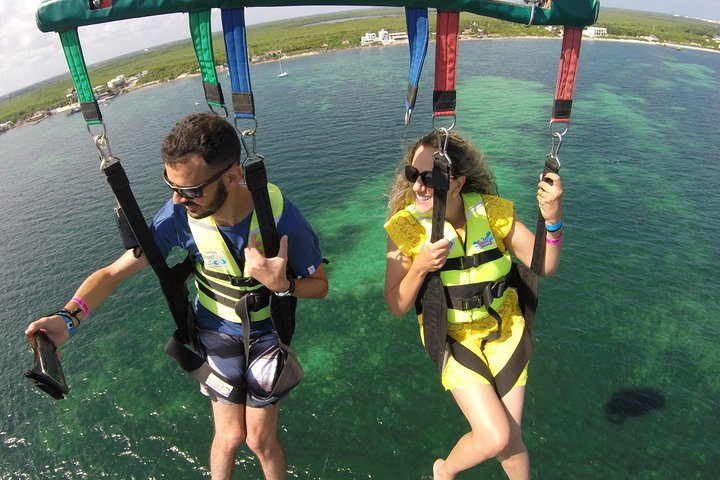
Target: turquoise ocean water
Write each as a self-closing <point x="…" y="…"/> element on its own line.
<point x="635" y="306"/>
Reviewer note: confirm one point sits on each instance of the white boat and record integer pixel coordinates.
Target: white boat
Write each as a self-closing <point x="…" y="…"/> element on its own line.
<point x="282" y="73"/>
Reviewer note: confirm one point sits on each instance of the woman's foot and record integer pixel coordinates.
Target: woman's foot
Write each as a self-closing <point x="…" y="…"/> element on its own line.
<point x="437" y="470"/>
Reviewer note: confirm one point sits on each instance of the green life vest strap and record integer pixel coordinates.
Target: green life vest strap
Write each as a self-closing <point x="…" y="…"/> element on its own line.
<point x="201" y="34"/>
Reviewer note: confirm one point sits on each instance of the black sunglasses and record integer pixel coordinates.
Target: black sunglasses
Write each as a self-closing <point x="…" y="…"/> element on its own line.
<point x="192" y="193"/>
<point x="412" y="174"/>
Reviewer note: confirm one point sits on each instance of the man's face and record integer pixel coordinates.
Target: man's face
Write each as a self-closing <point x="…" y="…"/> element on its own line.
<point x="195" y="172"/>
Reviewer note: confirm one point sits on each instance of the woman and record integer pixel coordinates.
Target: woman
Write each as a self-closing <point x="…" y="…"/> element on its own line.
<point x="477" y="220"/>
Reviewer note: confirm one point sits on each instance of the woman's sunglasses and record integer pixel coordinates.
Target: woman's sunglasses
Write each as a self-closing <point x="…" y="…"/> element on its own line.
<point x="412" y="174"/>
<point x="192" y="193"/>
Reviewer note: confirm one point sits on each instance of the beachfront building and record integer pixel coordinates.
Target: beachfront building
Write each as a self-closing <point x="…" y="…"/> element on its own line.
<point x="368" y="38"/>
<point x="116" y="84"/>
<point x="382" y="36"/>
<point x="595" y="31"/>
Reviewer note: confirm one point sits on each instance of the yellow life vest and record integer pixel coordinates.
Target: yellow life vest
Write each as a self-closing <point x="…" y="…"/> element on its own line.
<point x="469" y="264"/>
<point x="219" y="280"/>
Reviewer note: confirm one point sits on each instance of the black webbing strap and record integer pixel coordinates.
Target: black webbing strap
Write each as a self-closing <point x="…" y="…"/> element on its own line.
<point x="196" y="366"/>
<point x="282" y="309"/>
<point x="525" y="282"/>
<point x="204" y="273"/>
<point x="173" y="289"/>
<point x="540" y="231"/>
<point x="257" y="184"/>
<point x="471" y="261"/>
<point x="256" y="301"/>
<point x="91" y="112"/>
<point x="434" y="305"/>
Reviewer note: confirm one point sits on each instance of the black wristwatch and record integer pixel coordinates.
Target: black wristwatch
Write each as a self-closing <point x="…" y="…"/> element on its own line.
<point x="290" y="289"/>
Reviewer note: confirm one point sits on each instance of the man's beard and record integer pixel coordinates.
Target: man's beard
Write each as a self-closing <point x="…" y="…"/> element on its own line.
<point x="220" y="196"/>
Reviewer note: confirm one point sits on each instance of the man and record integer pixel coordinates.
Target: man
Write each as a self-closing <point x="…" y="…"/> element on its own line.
<point x="211" y="216"/>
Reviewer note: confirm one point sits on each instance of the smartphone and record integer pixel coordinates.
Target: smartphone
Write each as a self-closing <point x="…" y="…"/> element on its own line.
<point x="47" y="374"/>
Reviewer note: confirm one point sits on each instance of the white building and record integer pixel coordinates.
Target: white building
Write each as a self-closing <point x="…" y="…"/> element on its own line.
<point x="116" y="83"/>
<point x="595" y="31"/>
<point x="368" y="38"/>
<point x="383" y="36"/>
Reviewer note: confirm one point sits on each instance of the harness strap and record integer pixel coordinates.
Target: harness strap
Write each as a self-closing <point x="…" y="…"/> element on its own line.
<point x="233" y="21"/>
<point x="471" y="261"/>
<point x="173" y="288"/>
<point x="78" y="70"/>
<point x="418" y="34"/>
<point x="446" y="53"/>
<point x="540" y="231"/>
<point x="235" y="281"/>
<point x="567" y="71"/>
<point x="256" y="301"/>
<point x="569" y="57"/>
<point x="201" y="34"/>
<point x="469" y="297"/>
<point x="199" y="369"/>
<point x="525" y="282"/>
<point x="434" y="304"/>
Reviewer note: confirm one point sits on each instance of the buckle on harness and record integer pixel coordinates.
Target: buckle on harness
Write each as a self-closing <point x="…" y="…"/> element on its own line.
<point x="475" y="301"/>
<point x="469" y="262"/>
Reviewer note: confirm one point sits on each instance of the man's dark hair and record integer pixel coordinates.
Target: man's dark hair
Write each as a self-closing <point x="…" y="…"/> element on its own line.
<point x="206" y="134"/>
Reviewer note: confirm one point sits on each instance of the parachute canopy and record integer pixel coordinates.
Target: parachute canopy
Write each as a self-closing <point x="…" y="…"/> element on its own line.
<point x="63" y="15"/>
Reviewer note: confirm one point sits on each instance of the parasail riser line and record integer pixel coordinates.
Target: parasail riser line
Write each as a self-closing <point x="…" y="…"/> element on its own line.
<point x="233" y="22"/>
<point x="201" y="35"/>
<point x="78" y="71"/>
<point x="418" y="31"/>
<point x="446" y="55"/>
<point x="567" y="72"/>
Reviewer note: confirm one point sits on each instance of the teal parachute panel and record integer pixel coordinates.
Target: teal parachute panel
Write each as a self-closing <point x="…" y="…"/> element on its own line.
<point x="63" y="15"/>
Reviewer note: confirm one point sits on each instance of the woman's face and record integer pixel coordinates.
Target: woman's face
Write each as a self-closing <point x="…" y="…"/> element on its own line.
<point x="423" y="161"/>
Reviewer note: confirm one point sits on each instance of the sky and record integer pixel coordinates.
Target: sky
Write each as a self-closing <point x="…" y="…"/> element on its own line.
<point x="28" y="56"/>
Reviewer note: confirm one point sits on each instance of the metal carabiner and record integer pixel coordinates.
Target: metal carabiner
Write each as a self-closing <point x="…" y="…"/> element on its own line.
<point x="408" y="114"/>
<point x="106" y="157"/>
<point x="532" y="12"/>
<point x="557" y="138"/>
<point x="251" y="149"/>
<point x="447" y="129"/>
<point x="104" y="131"/>
<point x="443" y="143"/>
<point x="248" y="132"/>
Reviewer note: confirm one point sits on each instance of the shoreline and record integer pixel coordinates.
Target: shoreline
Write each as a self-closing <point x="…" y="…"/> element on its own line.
<point x="64" y="109"/>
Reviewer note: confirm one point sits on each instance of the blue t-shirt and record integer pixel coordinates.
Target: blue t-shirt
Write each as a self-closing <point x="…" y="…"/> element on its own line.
<point x="170" y="229"/>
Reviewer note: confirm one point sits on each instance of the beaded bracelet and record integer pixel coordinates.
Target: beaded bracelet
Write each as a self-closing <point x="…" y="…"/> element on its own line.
<point x="553" y="241"/>
<point x="554" y="227"/>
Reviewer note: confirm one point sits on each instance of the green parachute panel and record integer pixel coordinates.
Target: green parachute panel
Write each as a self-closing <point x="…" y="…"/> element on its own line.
<point x="63" y="15"/>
